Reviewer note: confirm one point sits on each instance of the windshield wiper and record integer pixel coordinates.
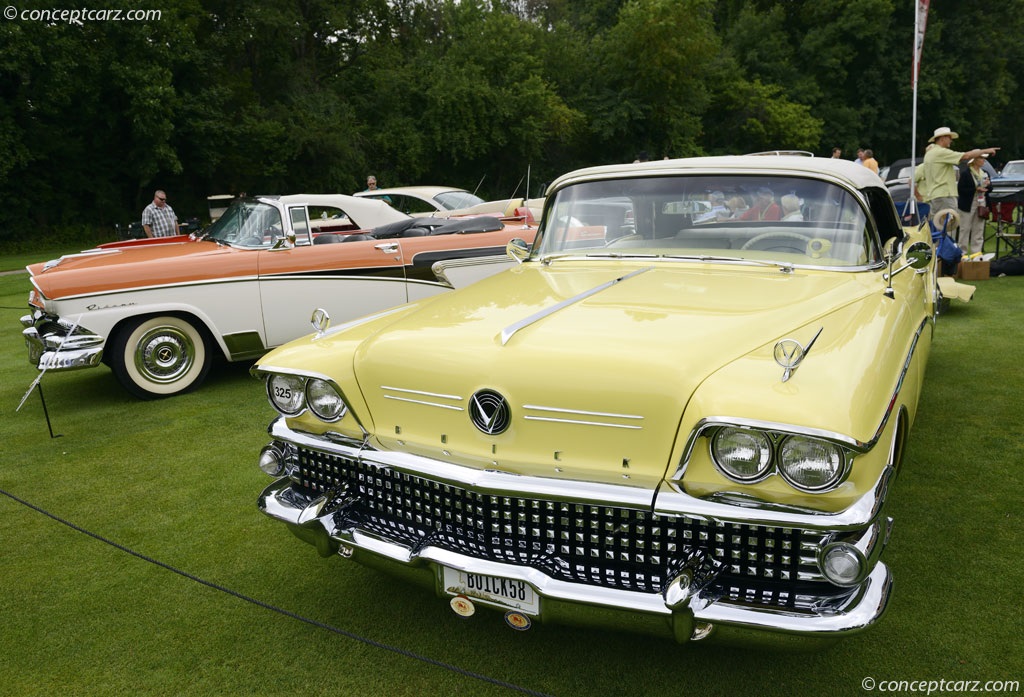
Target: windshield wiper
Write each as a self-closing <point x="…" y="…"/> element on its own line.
<point x="621" y="255"/>
<point x="783" y="265"/>
<point x="596" y="255"/>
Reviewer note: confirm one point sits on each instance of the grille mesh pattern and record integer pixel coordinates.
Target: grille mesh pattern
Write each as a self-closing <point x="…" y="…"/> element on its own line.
<point x="612" y="547"/>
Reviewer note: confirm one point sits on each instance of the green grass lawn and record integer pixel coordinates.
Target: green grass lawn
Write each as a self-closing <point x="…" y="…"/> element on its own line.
<point x="176" y="482"/>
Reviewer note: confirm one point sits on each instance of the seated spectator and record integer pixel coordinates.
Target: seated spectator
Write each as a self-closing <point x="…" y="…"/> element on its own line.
<point x="719" y="210"/>
<point x="791" y="207"/>
<point x="737" y="207"/>
<point x="764" y="208"/>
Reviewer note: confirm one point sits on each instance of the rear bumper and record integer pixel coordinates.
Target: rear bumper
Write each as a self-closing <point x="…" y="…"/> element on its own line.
<point x="55" y="345"/>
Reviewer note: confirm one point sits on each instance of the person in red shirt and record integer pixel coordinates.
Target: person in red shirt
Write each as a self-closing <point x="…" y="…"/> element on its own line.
<point x="764" y="208"/>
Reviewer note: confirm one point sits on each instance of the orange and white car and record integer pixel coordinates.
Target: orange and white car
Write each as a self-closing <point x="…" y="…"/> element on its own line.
<point x="157" y="311"/>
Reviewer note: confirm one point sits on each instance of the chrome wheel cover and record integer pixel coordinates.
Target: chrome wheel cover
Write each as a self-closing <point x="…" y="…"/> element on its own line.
<point x="164" y="354"/>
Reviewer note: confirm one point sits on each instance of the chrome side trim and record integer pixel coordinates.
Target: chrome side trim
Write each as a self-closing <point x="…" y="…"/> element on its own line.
<point x="508" y="332"/>
<point x="362" y="320"/>
<point x="424" y="402"/>
<point x="157" y="286"/>
<point x="581" y="413"/>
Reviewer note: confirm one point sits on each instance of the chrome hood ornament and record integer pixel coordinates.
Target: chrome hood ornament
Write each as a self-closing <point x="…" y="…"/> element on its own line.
<point x="321" y="321"/>
<point x="789" y="353"/>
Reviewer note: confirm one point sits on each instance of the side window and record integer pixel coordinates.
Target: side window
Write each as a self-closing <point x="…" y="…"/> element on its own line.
<point x="300" y="225"/>
<point x="328" y="219"/>
<point x="411" y="205"/>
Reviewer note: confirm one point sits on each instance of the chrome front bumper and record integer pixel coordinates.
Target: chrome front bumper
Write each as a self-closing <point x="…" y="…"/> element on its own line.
<point x="60" y="345"/>
<point x="696" y="617"/>
<point x="683" y="611"/>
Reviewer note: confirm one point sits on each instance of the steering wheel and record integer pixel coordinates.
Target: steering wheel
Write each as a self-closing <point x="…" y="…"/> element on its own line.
<point x="781" y="236"/>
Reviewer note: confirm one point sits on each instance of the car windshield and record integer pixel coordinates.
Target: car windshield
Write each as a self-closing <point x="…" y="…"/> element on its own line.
<point x="453" y="200"/>
<point x="786" y="220"/>
<point x="1013" y="169"/>
<point x="247" y="224"/>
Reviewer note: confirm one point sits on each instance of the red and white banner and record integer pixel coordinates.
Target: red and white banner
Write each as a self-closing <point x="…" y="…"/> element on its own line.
<point x="920" y="20"/>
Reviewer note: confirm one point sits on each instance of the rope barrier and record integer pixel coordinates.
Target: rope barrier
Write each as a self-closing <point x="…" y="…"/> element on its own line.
<point x="267" y="606"/>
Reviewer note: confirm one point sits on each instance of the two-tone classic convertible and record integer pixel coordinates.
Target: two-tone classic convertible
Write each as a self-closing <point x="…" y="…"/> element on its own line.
<point x="682" y="413"/>
<point x="157" y="310"/>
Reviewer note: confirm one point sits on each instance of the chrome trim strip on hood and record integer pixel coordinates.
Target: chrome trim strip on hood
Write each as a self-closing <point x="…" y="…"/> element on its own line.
<point x="579" y="413"/>
<point x="509" y="331"/>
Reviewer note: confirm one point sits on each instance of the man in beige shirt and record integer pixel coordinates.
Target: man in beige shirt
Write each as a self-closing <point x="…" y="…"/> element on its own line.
<point x="935" y="178"/>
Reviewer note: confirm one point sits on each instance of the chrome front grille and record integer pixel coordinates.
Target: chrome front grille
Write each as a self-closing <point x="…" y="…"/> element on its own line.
<point x="613" y="547"/>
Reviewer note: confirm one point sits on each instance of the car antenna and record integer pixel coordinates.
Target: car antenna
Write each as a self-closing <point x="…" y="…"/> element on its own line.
<point x="526" y="199"/>
<point x="479" y="183"/>
<point x="517" y="187"/>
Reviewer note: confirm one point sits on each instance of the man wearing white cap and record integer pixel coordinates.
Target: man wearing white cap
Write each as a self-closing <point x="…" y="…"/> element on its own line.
<point x="936" y="176"/>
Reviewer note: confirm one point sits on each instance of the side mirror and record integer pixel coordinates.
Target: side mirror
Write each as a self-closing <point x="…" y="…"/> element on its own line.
<point x="518" y="250"/>
<point x="919" y="255"/>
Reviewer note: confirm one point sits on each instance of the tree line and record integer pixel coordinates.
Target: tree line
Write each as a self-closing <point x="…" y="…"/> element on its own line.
<point x="288" y="96"/>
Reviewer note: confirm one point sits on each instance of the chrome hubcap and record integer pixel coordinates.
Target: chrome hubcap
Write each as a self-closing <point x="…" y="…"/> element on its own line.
<point x="164" y="354"/>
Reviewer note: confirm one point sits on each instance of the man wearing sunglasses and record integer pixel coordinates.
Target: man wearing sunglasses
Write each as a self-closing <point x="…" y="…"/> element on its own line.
<point x="158" y="219"/>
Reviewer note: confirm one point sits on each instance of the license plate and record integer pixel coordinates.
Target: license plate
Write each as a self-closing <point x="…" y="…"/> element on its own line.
<point x="506" y="592"/>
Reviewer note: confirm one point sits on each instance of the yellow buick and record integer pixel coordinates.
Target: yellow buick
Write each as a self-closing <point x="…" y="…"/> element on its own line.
<point x="680" y="413"/>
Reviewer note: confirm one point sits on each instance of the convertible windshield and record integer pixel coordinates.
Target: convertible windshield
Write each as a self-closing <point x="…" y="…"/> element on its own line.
<point x="757" y="218"/>
<point x="453" y="200"/>
<point x="247" y="224"/>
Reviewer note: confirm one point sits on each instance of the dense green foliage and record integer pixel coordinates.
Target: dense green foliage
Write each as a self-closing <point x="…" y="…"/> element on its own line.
<point x="282" y="96"/>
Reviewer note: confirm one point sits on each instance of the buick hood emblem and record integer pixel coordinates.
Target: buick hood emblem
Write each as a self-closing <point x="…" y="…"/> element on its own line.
<point x="790" y="353"/>
<point x="490" y="412"/>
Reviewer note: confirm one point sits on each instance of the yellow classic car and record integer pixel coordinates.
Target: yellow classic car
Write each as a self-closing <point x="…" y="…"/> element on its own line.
<point x="681" y="413"/>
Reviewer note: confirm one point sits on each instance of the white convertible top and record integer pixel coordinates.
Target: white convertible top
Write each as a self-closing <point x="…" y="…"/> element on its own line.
<point x="365" y="212"/>
<point x="853" y="174"/>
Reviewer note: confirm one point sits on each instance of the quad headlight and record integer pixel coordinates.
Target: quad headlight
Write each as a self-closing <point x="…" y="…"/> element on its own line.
<point x="286" y="393"/>
<point x="748" y="455"/>
<point x="743" y="454"/>
<point x="293" y="394"/>
<point x="324" y="400"/>
<point x="810" y="464"/>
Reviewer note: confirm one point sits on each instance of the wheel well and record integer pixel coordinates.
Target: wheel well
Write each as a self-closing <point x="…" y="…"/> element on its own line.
<point x="128" y="322"/>
<point x="899" y="439"/>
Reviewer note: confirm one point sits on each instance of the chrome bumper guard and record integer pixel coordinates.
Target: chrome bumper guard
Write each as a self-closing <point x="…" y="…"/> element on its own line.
<point x="679" y="612"/>
<point x="58" y="350"/>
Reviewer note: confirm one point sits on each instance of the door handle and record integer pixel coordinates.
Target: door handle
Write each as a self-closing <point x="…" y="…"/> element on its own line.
<point x="387" y="247"/>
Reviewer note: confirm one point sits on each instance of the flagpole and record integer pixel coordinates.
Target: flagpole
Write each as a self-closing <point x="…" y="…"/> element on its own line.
<point x="920" y="22"/>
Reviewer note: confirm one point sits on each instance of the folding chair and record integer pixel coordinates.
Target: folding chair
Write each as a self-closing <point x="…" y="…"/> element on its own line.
<point x="1009" y="219"/>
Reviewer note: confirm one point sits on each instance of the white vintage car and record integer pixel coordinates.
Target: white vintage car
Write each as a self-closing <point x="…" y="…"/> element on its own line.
<point x="157" y="310"/>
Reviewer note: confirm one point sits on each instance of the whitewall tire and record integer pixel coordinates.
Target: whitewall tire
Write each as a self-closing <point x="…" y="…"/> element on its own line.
<point x="160" y="356"/>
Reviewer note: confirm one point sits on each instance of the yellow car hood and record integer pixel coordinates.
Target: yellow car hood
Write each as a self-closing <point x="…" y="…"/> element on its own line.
<point x="596" y="387"/>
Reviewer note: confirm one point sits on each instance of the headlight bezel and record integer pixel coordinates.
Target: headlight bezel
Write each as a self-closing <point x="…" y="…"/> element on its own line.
<point x="777" y="443"/>
<point x="294" y="394"/>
